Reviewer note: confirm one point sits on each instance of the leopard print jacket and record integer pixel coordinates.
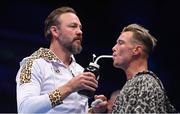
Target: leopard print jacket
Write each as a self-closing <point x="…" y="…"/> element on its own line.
<point x="144" y="93"/>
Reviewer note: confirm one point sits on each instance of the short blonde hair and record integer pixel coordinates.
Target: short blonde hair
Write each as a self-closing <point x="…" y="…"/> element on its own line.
<point x="142" y="35"/>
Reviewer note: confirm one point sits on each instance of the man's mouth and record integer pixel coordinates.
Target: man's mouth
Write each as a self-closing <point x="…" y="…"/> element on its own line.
<point x="78" y="41"/>
<point x="114" y="56"/>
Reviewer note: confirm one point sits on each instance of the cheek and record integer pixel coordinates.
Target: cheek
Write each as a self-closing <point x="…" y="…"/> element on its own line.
<point x="121" y="57"/>
<point x="67" y="33"/>
<point x="121" y="53"/>
<point x="67" y="37"/>
<point x="124" y="53"/>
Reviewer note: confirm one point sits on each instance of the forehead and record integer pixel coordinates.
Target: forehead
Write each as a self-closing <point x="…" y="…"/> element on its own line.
<point x="69" y="18"/>
<point x="126" y="36"/>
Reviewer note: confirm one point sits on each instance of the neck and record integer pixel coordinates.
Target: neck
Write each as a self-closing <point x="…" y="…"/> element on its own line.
<point x="135" y="67"/>
<point x="61" y="53"/>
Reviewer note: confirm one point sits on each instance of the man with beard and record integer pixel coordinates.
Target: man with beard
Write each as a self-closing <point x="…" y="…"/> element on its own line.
<point x="48" y="80"/>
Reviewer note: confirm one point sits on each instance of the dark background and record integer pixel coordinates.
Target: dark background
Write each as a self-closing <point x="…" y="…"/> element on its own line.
<point x="21" y="33"/>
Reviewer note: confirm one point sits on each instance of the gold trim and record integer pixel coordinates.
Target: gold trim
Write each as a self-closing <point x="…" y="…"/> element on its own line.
<point x="55" y="98"/>
<point x="25" y="75"/>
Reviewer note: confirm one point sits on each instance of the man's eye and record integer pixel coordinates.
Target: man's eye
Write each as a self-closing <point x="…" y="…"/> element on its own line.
<point x="119" y="42"/>
<point x="73" y="26"/>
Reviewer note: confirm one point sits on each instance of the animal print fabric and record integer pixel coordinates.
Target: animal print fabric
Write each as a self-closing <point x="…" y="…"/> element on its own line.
<point x="144" y="93"/>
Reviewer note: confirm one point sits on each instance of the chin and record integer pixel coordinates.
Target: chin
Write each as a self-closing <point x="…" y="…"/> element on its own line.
<point x="116" y="65"/>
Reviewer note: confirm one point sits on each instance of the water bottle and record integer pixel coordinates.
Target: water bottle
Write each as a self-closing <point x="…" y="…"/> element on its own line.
<point x="94" y="68"/>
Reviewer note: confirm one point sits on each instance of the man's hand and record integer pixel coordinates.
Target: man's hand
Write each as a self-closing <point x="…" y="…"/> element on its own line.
<point x="100" y="104"/>
<point x="85" y="80"/>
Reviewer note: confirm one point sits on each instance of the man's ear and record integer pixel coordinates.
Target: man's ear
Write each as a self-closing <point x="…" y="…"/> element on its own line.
<point x="137" y="50"/>
<point x="54" y="31"/>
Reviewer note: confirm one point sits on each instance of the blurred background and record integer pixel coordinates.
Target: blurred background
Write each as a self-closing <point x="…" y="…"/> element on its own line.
<point x="22" y="26"/>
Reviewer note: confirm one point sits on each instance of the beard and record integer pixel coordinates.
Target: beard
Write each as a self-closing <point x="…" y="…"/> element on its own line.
<point x="71" y="46"/>
<point x="74" y="48"/>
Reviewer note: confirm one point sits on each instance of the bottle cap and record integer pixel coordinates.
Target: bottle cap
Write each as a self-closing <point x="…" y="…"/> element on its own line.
<point x="94" y="64"/>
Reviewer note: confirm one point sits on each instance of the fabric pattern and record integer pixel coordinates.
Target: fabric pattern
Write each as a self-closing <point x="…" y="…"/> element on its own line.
<point x="55" y="98"/>
<point x="144" y="93"/>
<point x="25" y="75"/>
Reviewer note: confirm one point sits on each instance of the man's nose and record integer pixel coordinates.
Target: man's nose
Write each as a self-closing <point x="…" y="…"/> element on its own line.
<point x="113" y="49"/>
<point x="79" y="31"/>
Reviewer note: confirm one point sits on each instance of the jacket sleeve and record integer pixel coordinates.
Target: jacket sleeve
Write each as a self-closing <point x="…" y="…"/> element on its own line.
<point x="29" y="99"/>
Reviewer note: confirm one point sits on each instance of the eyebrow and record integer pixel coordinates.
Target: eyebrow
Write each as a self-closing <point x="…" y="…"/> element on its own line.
<point x="74" y="23"/>
<point x="119" y="40"/>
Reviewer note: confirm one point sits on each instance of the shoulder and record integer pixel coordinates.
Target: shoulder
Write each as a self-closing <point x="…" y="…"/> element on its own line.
<point x="148" y="80"/>
<point x="144" y="77"/>
<point x="41" y="56"/>
<point x="30" y="62"/>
